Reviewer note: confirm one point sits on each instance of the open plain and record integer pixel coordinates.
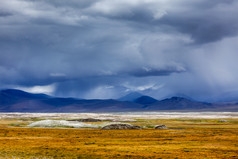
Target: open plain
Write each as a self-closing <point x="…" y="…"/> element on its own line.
<point x="191" y="135"/>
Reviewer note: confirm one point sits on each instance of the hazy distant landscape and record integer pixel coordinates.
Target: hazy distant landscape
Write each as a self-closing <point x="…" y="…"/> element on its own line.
<point x="12" y="100"/>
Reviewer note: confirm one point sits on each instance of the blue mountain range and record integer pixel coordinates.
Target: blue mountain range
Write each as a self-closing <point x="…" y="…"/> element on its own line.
<point x="13" y="100"/>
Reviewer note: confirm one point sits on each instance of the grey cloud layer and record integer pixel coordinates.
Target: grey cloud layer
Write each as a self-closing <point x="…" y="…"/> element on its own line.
<point x="89" y="48"/>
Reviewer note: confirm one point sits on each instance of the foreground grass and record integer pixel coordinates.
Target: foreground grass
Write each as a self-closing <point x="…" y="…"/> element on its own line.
<point x="199" y="139"/>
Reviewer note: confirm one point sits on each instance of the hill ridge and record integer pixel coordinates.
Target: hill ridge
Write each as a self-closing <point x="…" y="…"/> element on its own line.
<point x="13" y="100"/>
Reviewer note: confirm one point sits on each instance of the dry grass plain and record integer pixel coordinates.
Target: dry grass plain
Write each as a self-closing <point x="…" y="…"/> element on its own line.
<point x="200" y="138"/>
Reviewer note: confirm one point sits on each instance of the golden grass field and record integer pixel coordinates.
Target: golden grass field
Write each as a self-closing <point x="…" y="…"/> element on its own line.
<point x="200" y="138"/>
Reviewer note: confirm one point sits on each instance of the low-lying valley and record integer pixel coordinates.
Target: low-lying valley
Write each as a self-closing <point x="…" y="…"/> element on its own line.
<point x="189" y="135"/>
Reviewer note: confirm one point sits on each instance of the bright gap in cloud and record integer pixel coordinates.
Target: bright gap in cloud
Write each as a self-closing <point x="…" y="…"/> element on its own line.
<point x="48" y="89"/>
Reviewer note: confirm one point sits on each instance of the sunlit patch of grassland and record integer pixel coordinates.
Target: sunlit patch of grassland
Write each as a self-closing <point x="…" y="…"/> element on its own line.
<point x="13" y="122"/>
<point x="201" y="138"/>
<point x="189" y="123"/>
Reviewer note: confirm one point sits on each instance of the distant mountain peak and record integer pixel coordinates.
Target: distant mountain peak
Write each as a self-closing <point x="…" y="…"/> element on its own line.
<point x="178" y="103"/>
<point x="145" y="100"/>
<point x="131" y="97"/>
<point x="20" y="93"/>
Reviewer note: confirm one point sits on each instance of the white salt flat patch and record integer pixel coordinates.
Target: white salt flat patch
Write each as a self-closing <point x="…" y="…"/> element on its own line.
<point x="64" y="123"/>
<point x="60" y="123"/>
<point x="123" y="116"/>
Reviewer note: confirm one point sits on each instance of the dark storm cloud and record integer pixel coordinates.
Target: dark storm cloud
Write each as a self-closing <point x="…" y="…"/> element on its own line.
<point x="206" y="24"/>
<point x="4" y="14"/>
<point x="87" y="48"/>
<point x="204" y="21"/>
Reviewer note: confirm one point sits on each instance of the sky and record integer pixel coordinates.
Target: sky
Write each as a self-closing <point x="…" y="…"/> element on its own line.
<point x="108" y="48"/>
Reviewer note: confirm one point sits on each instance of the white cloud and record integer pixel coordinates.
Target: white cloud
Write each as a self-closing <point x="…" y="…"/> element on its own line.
<point x="159" y="14"/>
<point x="48" y="89"/>
<point x="140" y="88"/>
